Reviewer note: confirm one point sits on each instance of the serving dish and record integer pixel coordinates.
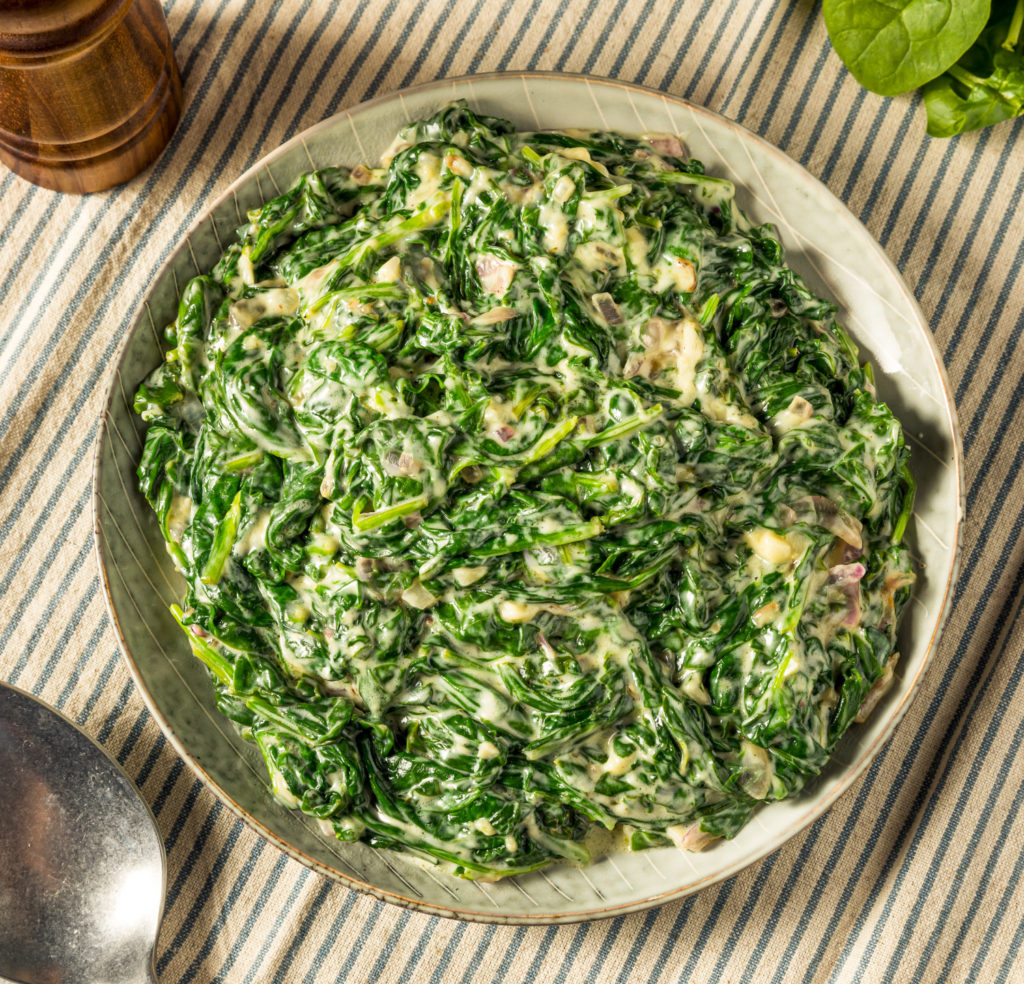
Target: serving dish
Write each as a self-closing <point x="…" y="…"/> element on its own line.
<point x="825" y="243"/>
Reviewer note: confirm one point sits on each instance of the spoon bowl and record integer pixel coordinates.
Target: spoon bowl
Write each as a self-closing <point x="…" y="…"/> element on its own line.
<point x="82" y="866"/>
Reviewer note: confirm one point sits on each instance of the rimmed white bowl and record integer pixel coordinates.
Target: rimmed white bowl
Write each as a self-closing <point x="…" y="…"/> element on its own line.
<point x="824" y="243"/>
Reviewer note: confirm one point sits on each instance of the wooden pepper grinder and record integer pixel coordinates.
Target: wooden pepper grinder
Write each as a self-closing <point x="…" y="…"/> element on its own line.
<point x="89" y="90"/>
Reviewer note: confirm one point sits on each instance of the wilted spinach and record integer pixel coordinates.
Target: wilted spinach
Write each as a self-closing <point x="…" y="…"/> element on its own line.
<point x="521" y="490"/>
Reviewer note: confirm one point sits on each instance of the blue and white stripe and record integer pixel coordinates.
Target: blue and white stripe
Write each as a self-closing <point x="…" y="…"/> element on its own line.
<point x="914" y="875"/>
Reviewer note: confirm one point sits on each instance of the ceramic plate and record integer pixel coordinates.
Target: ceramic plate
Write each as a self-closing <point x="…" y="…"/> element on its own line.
<point x="825" y="244"/>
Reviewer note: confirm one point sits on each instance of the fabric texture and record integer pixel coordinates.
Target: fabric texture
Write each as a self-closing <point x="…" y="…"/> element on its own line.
<point x="916" y="874"/>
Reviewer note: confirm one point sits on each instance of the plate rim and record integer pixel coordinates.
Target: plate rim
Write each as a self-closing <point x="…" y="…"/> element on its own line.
<point x="852" y="771"/>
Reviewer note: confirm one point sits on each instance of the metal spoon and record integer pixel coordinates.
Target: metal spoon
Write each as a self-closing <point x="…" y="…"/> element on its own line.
<point x="81" y="863"/>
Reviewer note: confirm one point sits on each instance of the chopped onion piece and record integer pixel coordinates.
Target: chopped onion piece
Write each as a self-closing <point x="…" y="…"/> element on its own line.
<point x="757" y="770"/>
<point x="495" y="316"/>
<point x="843" y="574"/>
<point x="418" y="596"/>
<point x="690" y="838"/>
<point x="765" y="614"/>
<point x="832" y="518"/>
<point x="495" y="274"/>
<point x="607" y="308"/>
<point x="879" y="690"/>
<point x="665" y="144"/>
<point x="513" y="611"/>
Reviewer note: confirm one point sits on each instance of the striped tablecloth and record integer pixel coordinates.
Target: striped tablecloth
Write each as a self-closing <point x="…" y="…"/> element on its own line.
<point x="916" y="874"/>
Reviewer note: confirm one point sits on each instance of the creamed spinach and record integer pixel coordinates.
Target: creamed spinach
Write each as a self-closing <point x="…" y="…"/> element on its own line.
<point x="523" y="491"/>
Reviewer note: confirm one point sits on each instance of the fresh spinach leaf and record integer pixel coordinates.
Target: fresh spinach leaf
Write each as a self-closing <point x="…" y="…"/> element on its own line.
<point x="893" y="46"/>
<point x="986" y="85"/>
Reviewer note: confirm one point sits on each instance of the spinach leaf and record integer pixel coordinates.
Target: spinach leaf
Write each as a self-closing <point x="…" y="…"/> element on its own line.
<point x="893" y="46"/>
<point x="986" y="85"/>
